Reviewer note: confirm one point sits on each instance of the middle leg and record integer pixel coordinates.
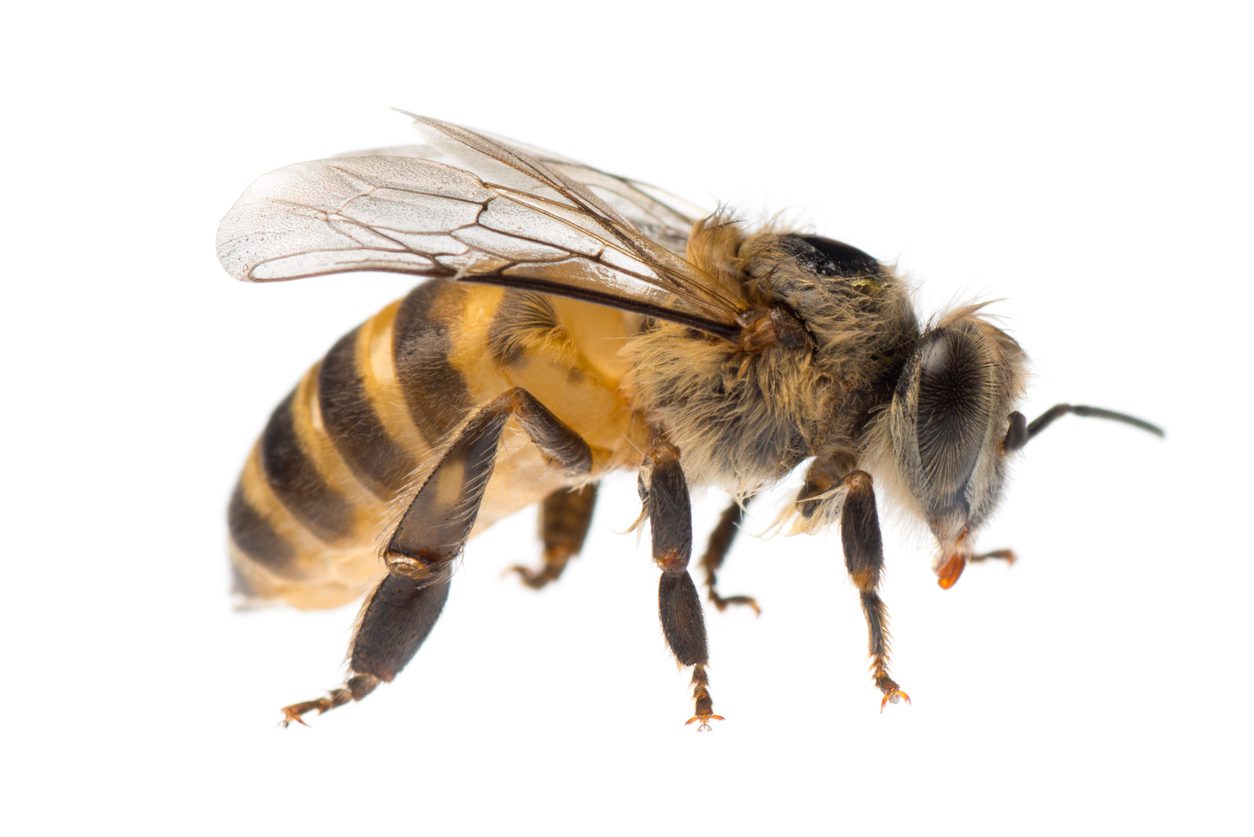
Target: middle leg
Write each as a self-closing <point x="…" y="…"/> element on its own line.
<point x="716" y="552"/>
<point x="664" y="492"/>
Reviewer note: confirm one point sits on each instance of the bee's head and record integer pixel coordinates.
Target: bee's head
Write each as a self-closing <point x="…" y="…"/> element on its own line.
<point x="952" y="424"/>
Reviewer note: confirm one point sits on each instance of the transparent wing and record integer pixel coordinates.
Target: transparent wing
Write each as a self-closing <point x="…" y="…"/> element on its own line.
<point x="515" y="220"/>
<point x="658" y="214"/>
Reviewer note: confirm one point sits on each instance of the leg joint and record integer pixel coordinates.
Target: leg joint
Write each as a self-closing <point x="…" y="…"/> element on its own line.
<point x="427" y="566"/>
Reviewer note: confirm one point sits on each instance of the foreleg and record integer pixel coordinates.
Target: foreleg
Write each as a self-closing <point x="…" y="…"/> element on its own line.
<point x="835" y="478"/>
<point x="864" y="558"/>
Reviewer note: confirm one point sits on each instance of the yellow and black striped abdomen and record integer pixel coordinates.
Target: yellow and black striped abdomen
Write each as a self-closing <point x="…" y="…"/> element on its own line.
<point x="338" y="454"/>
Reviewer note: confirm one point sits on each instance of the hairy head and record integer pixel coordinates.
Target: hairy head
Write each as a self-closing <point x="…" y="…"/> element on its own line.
<point x="948" y="421"/>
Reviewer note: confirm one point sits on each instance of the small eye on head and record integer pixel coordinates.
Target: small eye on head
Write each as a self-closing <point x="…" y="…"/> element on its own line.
<point x="828" y="257"/>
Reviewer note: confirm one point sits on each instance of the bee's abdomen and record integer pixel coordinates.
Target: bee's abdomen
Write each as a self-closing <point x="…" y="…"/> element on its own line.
<point x="340" y="451"/>
<point x="435" y="392"/>
<point x="296" y="505"/>
<point x="352" y="422"/>
<point x="296" y="480"/>
<point x="305" y="516"/>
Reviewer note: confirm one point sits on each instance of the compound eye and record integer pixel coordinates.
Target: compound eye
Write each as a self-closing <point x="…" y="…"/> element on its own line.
<point x="953" y="399"/>
<point x="828" y="257"/>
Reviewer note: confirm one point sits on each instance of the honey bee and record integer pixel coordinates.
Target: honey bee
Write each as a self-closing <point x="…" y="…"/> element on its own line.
<point x="575" y="323"/>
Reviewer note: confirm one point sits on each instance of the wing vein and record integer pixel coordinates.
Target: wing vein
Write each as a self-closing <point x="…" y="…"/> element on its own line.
<point x="485" y="211"/>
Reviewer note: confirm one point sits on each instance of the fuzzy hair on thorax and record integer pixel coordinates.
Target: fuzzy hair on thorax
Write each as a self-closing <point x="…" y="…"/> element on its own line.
<point x="743" y="417"/>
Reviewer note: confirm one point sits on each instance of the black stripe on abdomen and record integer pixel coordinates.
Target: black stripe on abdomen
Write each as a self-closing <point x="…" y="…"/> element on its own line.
<point x="296" y="481"/>
<point x="254" y="535"/>
<point x="435" y="391"/>
<point x="354" y="426"/>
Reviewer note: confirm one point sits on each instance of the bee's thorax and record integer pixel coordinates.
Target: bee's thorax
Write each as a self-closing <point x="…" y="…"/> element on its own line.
<point x="821" y="351"/>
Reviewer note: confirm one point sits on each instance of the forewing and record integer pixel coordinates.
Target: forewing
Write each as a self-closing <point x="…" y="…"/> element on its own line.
<point x="658" y="214"/>
<point x="507" y="162"/>
<point x="367" y="213"/>
<point x="529" y="226"/>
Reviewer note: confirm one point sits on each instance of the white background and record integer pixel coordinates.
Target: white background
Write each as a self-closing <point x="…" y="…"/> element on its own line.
<point x="1089" y="165"/>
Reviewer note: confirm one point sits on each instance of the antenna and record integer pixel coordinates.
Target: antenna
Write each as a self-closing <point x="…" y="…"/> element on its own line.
<point x="1021" y="432"/>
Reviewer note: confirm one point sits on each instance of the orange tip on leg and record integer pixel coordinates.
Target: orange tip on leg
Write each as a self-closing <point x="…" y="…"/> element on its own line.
<point x="705" y="719"/>
<point x="893" y="696"/>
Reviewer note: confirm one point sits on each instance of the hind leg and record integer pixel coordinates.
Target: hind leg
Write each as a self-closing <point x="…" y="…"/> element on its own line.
<point x="394" y="623"/>
<point x="400" y="613"/>
<point x="564" y="520"/>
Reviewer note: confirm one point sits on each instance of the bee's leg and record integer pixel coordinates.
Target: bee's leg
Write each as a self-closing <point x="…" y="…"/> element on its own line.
<point x="664" y="492"/>
<point x="401" y="611"/>
<point x="1006" y="555"/>
<point x="950" y="571"/>
<point x="716" y="552"/>
<point x="564" y="520"/>
<point x="864" y="558"/>
<point x="394" y="621"/>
